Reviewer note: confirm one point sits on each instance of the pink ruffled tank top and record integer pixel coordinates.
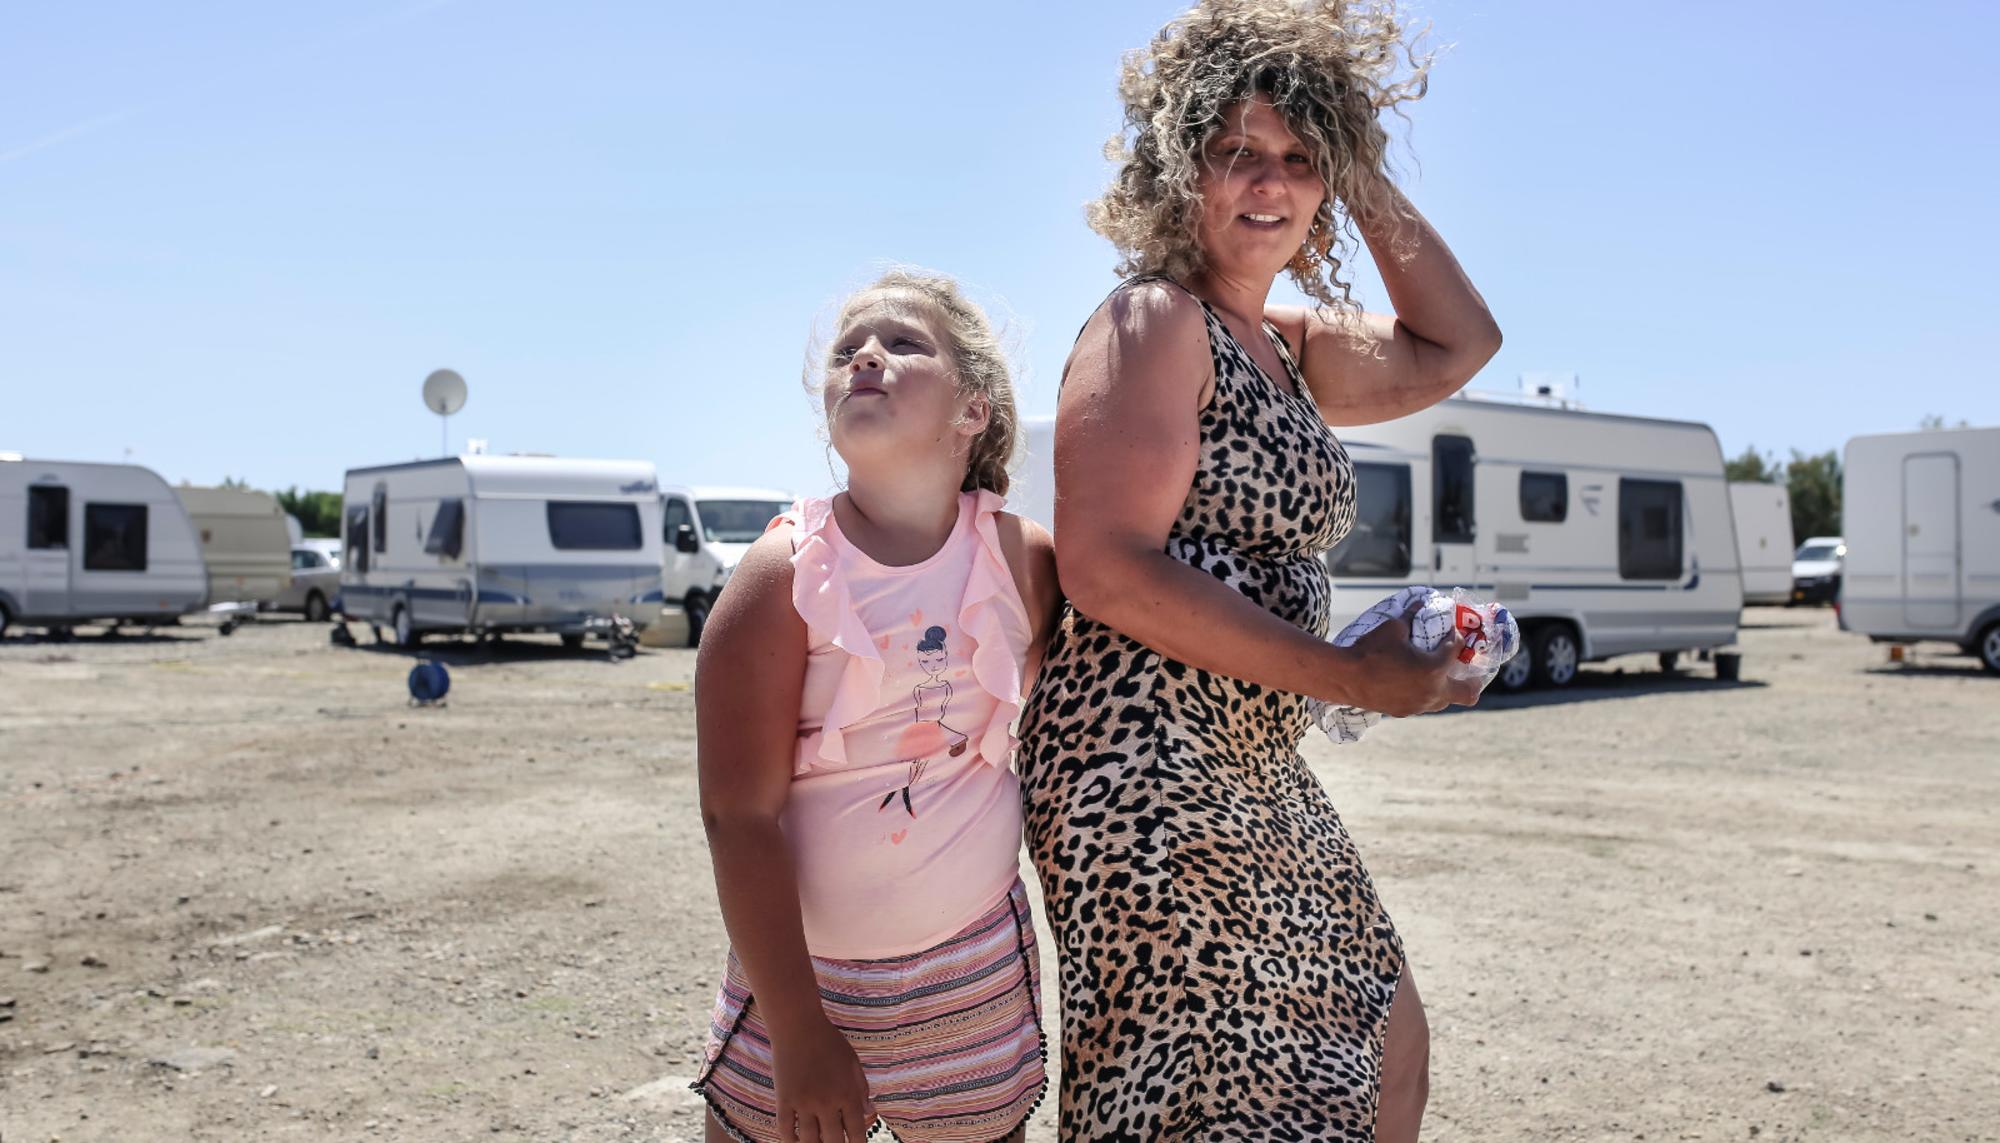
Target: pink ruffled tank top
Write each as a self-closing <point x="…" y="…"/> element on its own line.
<point x="904" y="816"/>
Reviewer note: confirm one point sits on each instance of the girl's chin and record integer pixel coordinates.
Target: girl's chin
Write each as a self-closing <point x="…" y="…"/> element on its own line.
<point x="864" y="440"/>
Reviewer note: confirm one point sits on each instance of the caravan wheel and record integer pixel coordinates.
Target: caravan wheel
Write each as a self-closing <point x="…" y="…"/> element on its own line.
<point x="1516" y="672"/>
<point x="697" y="617"/>
<point x="406" y="633"/>
<point x="1989" y="647"/>
<point x="6" y="618"/>
<point x="1556" y="655"/>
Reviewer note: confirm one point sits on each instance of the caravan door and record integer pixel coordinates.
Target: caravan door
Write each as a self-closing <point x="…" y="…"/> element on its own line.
<point x="1453" y="527"/>
<point x="45" y="562"/>
<point x="1930" y="541"/>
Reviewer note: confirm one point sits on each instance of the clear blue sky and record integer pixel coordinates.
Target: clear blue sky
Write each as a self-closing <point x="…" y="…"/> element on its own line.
<point x="235" y="236"/>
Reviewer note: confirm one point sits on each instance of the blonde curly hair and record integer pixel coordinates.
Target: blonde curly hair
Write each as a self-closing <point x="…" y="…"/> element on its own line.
<point x="1328" y="66"/>
<point x="976" y="356"/>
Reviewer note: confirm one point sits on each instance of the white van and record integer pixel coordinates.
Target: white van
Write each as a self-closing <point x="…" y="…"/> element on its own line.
<point x="245" y="542"/>
<point x="492" y="544"/>
<point x="83" y="542"/>
<point x="706" y="530"/>
<point x="1604" y="535"/>
<point x="1763" y="539"/>
<point x="1921" y="517"/>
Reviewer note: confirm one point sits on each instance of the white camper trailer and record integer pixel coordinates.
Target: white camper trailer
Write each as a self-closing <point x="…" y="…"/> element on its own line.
<point x="245" y="543"/>
<point x="82" y="542"/>
<point x="1763" y="539"/>
<point x="491" y="544"/>
<point x="1605" y="535"/>
<point x="1031" y="486"/>
<point x="1921" y="516"/>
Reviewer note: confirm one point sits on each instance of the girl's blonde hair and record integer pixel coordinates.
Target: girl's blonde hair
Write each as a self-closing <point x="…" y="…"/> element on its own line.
<point x="976" y="358"/>
<point x="1328" y="66"/>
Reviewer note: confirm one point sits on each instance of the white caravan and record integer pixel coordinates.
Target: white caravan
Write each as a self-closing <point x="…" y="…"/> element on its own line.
<point x="81" y="542"/>
<point x="1604" y="535"/>
<point x="1763" y="539"/>
<point x="492" y="544"/>
<point x="706" y="530"/>
<point x="1031" y="485"/>
<point x="245" y="543"/>
<point x="1921" y="516"/>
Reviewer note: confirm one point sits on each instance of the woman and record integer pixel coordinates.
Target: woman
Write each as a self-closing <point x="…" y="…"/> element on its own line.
<point x="1227" y="970"/>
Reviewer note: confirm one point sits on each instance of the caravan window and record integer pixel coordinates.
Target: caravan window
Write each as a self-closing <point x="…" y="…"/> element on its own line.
<point x="114" y="537"/>
<point x="378" y="510"/>
<point x="1380" y="541"/>
<point x="357" y="537"/>
<point x="1649" y="529"/>
<point x="48" y="517"/>
<point x="593" y="526"/>
<point x="1451" y="490"/>
<point x="447" y="536"/>
<point x="1544" y="497"/>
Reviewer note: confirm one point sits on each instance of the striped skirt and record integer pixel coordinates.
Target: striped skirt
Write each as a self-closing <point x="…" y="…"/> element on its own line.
<point x="950" y="1038"/>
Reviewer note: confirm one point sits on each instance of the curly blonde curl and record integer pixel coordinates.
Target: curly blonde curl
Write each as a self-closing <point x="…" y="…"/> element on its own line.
<point x="1330" y="67"/>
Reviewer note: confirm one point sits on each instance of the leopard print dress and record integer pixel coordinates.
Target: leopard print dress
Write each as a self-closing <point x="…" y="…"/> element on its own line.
<point x="1226" y="966"/>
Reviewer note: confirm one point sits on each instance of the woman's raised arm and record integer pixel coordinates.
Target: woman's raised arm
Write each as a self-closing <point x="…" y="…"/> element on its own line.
<point x="1367" y="368"/>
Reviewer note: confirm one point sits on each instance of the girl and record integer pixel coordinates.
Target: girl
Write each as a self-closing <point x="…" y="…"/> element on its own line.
<point x="866" y="852"/>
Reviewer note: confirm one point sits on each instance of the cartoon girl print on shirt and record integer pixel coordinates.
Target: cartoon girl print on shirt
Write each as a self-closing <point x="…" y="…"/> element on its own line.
<point x="933" y="699"/>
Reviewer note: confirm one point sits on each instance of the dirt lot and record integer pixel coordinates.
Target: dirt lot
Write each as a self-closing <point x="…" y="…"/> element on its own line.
<point x="247" y="893"/>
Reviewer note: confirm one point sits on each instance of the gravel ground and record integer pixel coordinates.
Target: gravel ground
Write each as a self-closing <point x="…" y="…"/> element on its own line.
<point x="247" y="893"/>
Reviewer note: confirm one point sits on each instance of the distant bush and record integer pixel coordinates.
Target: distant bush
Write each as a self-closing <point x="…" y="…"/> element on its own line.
<point x="318" y="512"/>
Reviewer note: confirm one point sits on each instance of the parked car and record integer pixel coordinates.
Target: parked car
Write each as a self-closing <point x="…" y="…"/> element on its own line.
<point x="1816" y="569"/>
<point x="315" y="581"/>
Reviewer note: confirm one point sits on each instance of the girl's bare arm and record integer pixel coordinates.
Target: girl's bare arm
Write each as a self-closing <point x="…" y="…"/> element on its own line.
<point x="748" y="679"/>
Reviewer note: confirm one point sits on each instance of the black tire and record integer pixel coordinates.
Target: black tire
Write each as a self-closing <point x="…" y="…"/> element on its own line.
<point x="1728" y="666"/>
<point x="1518" y="672"/>
<point x="1988" y="647"/>
<point x="316" y="608"/>
<point x="6" y="619"/>
<point x="697" y="617"/>
<point x="1670" y="662"/>
<point x="572" y="642"/>
<point x="1558" y="654"/>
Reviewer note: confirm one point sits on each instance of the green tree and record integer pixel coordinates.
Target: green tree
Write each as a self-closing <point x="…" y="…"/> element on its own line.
<point x="1755" y="466"/>
<point x="318" y="512"/>
<point x="1936" y="421"/>
<point x="1814" y="485"/>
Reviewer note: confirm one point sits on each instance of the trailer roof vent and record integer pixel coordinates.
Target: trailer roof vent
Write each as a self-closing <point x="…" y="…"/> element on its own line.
<point x="1557" y="389"/>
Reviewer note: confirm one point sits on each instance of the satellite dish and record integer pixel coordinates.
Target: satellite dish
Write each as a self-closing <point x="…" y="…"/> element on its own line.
<point x="444" y="392"/>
